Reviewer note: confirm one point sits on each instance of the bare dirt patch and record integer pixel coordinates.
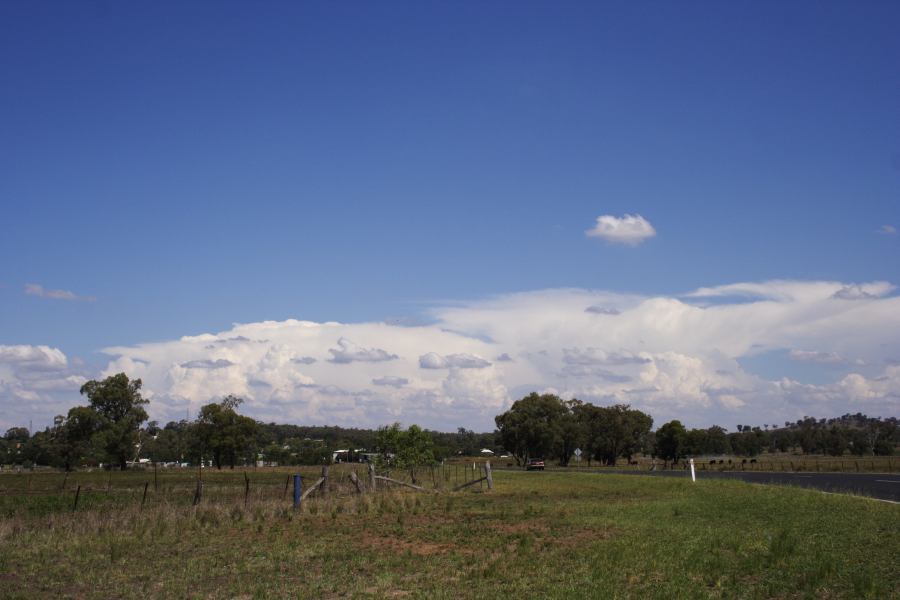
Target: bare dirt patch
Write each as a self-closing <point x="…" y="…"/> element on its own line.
<point x="397" y="545"/>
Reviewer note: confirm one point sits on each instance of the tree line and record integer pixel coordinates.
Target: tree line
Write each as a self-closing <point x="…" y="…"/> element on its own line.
<point x="546" y="426"/>
<point x="113" y="429"/>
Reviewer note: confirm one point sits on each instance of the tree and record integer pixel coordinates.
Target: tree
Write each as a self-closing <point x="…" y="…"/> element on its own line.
<point x="404" y="448"/>
<point x="531" y="427"/>
<point x="613" y="431"/>
<point x="17" y="435"/>
<point x="76" y="434"/>
<point x="670" y="441"/>
<point x="570" y="431"/>
<point x="223" y="433"/>
<point x="119" y="405"/>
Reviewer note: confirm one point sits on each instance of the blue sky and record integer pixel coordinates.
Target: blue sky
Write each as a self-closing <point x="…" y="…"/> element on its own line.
<point x="187" y="166"/>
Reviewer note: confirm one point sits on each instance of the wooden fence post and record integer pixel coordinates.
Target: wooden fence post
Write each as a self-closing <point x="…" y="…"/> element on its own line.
<point x="354" y="479"/>
<point x="323" y="489"/>
<point x="489" y="475"/>
<point x="155" y="479"/>
<point x="198" y="493"/>
<point x="77" y="494"/>
<point x="372" y="476"/>
<point x="287" y="482"/>
<point x="144" y="497"/>
<point x="246" y="488"/>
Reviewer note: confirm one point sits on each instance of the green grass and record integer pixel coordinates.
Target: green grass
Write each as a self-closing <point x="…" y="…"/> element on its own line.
<point x="537" y="535"/>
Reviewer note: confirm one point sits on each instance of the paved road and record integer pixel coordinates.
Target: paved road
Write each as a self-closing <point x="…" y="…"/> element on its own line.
<point x="884" y="486"/>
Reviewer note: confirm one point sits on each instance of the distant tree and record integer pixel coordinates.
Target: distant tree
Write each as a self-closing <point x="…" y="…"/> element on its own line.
<point x="17" y="435"/>
<point x="120" y="407"/>
<point x="570" y="432"/>
<point x="613" y="431"/>
<point x="222" y="433"/>
<point x="531" y="427"/>
<point x="404" y="448"/>
<point x="835" y="441"/>
<point x="670" y="441"/>
<point x="77" y="433"/>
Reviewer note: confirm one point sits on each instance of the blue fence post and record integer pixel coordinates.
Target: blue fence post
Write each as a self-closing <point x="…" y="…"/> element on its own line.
<point x="298" y="488"/>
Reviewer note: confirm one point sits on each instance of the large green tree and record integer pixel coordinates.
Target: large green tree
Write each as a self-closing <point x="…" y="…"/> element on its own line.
<point x="404" y="448"/>
<point x="671" y="440"/>
<point x="532" y="426"/>
<point x="613" y="431"/>
<point x="77" y="436"/>
<point x="120" y="408"/>
<point x="224" y="434"/>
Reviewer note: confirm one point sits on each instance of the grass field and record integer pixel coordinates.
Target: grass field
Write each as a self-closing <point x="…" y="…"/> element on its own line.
<point x="537" y="535"/>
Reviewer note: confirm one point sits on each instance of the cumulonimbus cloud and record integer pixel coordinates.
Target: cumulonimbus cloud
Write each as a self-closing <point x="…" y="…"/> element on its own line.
<point x="686" y="357"/>
<point x="629" y="230"/>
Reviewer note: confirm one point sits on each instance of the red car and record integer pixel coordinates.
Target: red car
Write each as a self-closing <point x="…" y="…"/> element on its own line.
<point x="534" y="464"/>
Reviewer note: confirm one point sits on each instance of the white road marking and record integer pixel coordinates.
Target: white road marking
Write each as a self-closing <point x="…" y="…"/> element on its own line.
<point x="887" y="481"/>
<point x="863" y="497"/>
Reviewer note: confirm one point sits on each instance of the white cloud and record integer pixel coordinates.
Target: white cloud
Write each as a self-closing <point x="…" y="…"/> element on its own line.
<point x="816" y="357"/>
<point x="396" y="382"/>
<point x="603" y="310"/>
<point x="350" y="352"/>
<point x="433" y="360"/>
<point x="666" y="355"/>
<point x="220" y="363"/>
<point x="36" y="382"/>
<point x="35" y="289"/>
<point x="630" y="230"/>
<point x="887" y="230"/>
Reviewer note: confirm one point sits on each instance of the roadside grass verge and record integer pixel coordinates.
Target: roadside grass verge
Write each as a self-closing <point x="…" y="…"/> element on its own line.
<point x="537" y="535"/>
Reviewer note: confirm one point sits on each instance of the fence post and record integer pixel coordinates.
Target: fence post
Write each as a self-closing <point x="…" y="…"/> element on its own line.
<point x="144" y="497"/>
<point x="155" y="480"/>
<point x="246" y="488"/>
<point x="298" y="488"/>
<point x="354" y="478"/>
<point x="372" y="476"/>
<point x="198" y="493"/>
<point x="323" y="489"/>
<point x="77" y="493"/>
<point x="489" y="475"/>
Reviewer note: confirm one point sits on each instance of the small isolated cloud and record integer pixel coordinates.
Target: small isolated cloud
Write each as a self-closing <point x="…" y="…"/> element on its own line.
<point x="220" y="363"/>
<point x="349" y="352"/>
<point x="432" y="360"/>
<point x="304" y="360"/>
<point x="602" y="310"/>
<point x="887" y="230"/>
<point x="35" y="289"/>
<point x="396" y="382"/>
<point x="504" y="358"/>
<point x="629" y="230"/>
<point x="816" y="357"/>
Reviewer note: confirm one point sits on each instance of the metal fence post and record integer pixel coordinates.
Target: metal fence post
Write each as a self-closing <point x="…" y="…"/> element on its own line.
<point x="298" y="488"/>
